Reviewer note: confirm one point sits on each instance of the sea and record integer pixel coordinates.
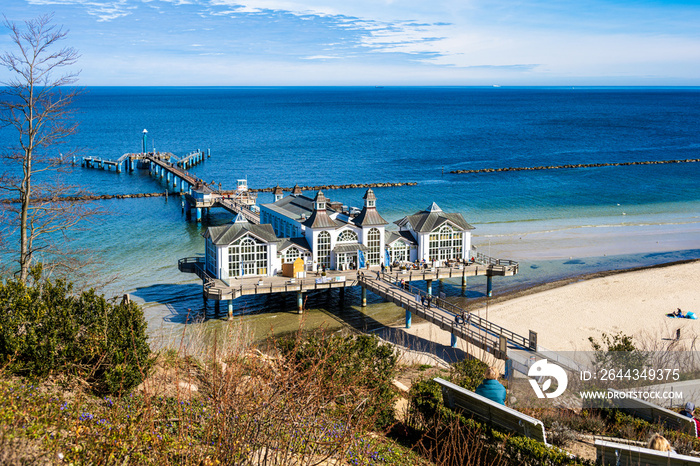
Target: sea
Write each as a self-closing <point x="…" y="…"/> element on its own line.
<point x="555" y="223"/>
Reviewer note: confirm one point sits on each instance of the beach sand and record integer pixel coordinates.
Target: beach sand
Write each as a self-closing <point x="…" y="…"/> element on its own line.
<point x="634" y="303"/>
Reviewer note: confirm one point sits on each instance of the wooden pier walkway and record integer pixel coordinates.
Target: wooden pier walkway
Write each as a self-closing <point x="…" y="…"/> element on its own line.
<point x="471" y="328"/>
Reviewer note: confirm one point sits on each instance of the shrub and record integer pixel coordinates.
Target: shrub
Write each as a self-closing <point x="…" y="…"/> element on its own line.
<point x="46" y="329"/>
<point x="352" y="369"/>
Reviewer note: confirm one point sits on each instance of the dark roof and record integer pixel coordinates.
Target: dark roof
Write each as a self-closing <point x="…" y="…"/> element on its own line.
<point x="299" y="242"/>
<point x="432" y="218"/>
<point x="296" y="190"/>
<point x="393" y="236"/>
<point x="320" y="219"/>
<point x="294" y="207"/>
<point x="277" y="190"/>
<point x="227" y="234"/>
<point x="352" y="247"/>
<point x="369" y="217"/>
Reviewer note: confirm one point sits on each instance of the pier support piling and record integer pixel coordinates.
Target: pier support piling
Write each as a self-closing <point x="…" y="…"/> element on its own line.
<point x="199" y="215"/>
<point x="453" y="340"/>
<point x="364" y="296"/>
<point x="300" y="302"/>
<point x="489" y="286"/>
<point x="408" y="318"/>
<point x="216" y="307"/>
<point x="429" y="287"/>
<point x="230" y="308"/>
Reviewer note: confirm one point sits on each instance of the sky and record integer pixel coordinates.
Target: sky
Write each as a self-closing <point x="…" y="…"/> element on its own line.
<point x="376" y="42"/>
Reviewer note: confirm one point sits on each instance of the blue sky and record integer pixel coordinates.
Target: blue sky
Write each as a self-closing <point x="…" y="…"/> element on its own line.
<point x="376" y="42"/>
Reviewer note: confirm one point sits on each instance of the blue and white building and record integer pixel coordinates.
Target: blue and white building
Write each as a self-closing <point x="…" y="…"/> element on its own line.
<point x="329" y="235"/>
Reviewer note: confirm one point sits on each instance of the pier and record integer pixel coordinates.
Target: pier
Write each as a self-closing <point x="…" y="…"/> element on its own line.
<point x="198" y="196"/>
<point x="395" y="286"/>
<point x="471" y="328"/>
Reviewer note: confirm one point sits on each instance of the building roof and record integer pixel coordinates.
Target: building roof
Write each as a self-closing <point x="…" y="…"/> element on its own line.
<point x="369" y="216"/>
<point x="294" y="207"/>
<point x="351" y="247"/>
<point x="433" y="217"/>
<point x="390" y="237"/>
<point x="299" y="242"/>
<point x="227" y="234"/>
<point x="296" y="190"/>
<point x="319" y="218"/>
<point x="277" y="190"/>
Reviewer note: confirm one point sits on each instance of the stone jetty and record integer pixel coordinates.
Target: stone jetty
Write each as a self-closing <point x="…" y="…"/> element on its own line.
<point x="577" y="165"/>
<point x="327" y="187"/>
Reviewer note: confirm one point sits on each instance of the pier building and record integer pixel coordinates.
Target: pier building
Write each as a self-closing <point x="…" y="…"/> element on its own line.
<point x="330" y="236"/>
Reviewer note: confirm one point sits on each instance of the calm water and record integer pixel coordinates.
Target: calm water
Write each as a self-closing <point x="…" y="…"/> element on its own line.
<point x="556" y="223"/>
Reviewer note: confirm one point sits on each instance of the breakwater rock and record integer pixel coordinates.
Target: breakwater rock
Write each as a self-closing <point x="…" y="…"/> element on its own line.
<point x="577" y="165"/>
<point x="339" y="186"/>
<point x="92" y="197"/>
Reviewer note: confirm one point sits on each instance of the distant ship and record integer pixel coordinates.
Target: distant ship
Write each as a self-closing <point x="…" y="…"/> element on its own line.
<point x="496" y="85"/>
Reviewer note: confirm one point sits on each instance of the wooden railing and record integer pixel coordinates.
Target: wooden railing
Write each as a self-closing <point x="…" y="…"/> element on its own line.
<point x="467" y="318"/>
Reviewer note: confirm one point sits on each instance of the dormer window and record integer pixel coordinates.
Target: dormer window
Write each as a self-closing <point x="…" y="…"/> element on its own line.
<point x="320" y="206"/>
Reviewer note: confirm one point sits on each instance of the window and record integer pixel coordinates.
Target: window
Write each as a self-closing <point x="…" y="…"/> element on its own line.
<point x="374" y="244"/>
<point x="347" y="236"/>
<point x="323" y="251"/>
<point x="247" y="257"/>
<point x="212" y="266"/>
<point x="399" y="251"/>
<point x="445" y="244"/>
<point x="291" y="255"/>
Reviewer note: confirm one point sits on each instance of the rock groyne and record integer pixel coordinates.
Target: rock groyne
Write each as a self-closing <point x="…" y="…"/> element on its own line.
<point x="577" y="165"/>
<point x="327" y="187"/>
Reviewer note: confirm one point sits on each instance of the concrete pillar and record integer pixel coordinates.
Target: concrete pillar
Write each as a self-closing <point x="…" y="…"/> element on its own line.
<point x="199" y="215"/>
<point x="300" y="302"/>
<point x="464" y="280"/>
<point x="208" y="153"/>
<point x="429" y="287"/>
<point x="167" y="178"/>
<point x="342" y="295"/>
<point x="119" y="168"/>
<point x="364" y="296"/>
<point x="230" y="308"/>
<point x="176" y="184"/>
<point x="216" y="307"/>
<point x="489" y="285"/>
<point x="408" y="318"/>
<point x="453" y="340"/>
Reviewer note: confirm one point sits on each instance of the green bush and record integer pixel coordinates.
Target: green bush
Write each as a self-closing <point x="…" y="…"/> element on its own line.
<point x="46" y="329"/>
<point x="353" y="369"/>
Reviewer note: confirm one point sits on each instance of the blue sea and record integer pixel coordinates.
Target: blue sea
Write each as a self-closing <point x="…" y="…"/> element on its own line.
<point x="556" y="223"/>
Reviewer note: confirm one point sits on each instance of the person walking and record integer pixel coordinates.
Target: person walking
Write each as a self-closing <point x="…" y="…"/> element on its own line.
<point x="429" y="299"/>
<point x="422" y="300"/>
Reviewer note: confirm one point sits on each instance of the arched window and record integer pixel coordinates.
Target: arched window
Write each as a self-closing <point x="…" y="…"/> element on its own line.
<point x="445" y="243"/>
<point x="374" y="243"/>
<point x="247" y="257"/>
<point x="347" y="236"/>
<point x="323" y="250"/>
<point x="291" y="255"/>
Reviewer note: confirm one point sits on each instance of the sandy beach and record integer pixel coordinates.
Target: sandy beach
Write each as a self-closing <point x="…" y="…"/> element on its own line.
<point x="635" y="303"/>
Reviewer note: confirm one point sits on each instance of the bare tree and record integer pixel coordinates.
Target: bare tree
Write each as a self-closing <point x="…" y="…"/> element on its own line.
<point x="35" y="105"/>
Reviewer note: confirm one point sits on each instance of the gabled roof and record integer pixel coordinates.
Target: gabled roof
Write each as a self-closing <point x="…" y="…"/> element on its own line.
<point x="227" y="234"/>
<point x="299" y="242"/>
<point x="433" y="217"/>
<point x="390" y="237"/>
